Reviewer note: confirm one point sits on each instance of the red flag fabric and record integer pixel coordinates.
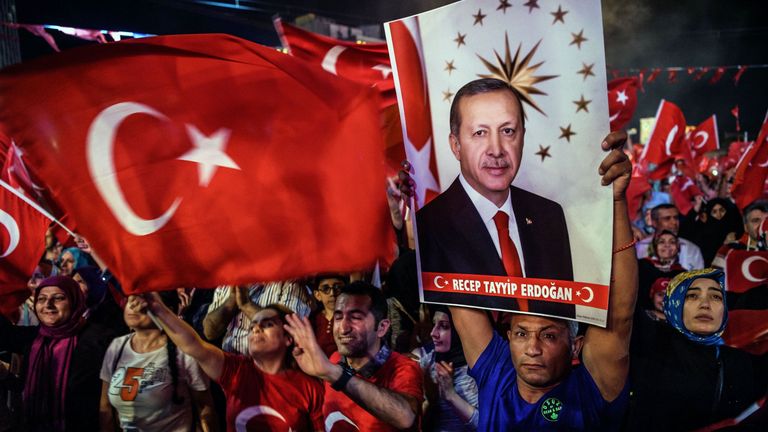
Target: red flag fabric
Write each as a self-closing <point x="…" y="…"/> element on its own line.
<point x="745" y="270"/>
<point x="365" y="63"/>
<point x="747" y="330"/>
<point x="14" y="171"/>
<point x="700" y="74"/>
<point x="654" y="73"/>
<point x="704" y="138"/>
<point x="683" y="191"/>
<point x="752" y="170"/>
<point x="738" y="75"/>
<point x="227" y="162"/>
<point x="414" y="109"/>
<point x="719" y="72"/>
<point x="666" y="138"/>
<point x="22" y="242"/>
<point x="672" y="76"/>
<point x="622" y="101"/>
<point x="735" y="114"/>
<point x="636" y="190"/>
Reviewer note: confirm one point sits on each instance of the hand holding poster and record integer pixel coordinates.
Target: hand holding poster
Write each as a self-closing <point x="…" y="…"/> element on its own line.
<point x="516" y="228"/>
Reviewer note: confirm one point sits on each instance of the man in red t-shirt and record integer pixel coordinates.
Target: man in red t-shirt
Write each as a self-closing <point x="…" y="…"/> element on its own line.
<point x="367" y="386"/>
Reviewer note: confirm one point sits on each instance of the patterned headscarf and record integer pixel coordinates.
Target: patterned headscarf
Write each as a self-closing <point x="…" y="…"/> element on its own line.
<point x="674" y="300"/>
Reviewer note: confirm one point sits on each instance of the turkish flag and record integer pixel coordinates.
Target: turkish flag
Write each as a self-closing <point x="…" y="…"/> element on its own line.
<point x="745" y="270"/>
<point x="22" y="242"/>
<point x="366" y="63"/>
<point x="704" y="138"/>
<point x="666" y="139"/>
<point x="415" y="114"/>
<point x="752" y="170"/>
<point x="636" y="190"/>
<point x="622" y="101"/>
<point x="227" y="163"/>
<point x="683" y="191"/>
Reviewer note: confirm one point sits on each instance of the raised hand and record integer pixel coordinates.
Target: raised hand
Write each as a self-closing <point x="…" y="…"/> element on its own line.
<point x="445" y="379"/>
<point x="307" y="352"/>
<point x="616" y="168"/>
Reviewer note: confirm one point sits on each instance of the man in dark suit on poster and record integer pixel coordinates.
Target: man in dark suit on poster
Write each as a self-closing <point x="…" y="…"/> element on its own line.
<point x="482" y="224"/>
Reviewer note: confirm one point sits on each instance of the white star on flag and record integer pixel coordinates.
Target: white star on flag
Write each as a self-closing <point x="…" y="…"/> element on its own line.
<point x="384" y="69"/>
<point x="423" y="177"/>
<point x="621" y="97"/>
<point x="208" y="152"/>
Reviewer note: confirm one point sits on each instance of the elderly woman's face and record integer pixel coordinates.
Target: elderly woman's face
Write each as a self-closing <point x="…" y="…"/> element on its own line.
<point x="52" y="306"/>
<point x="67" y="263"/>
<point x="704" y="307"/>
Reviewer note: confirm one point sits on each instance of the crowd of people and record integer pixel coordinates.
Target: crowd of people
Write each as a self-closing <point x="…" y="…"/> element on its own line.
<point x="334" y="352"/>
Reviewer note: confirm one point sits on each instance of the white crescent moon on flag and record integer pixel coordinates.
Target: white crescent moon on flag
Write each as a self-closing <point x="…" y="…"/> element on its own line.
<point x="705" y="136"/>
<point x="614" y="117"/>
<point x="764" y="164"/>
<point x="670" y="138"/>
<point x="591" y="294"/>
<point x="437" y="284"/>
<point x="335" y="417"/>
<point x="329" y="61"/>
<point x="13" y="232"/>
<point x="101" y="166"/>
<point x="242" y="419"/>
<point x="745" y="268"/>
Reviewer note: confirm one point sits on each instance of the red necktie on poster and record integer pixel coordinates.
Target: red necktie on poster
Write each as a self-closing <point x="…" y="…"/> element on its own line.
<point x="509" y="255"/>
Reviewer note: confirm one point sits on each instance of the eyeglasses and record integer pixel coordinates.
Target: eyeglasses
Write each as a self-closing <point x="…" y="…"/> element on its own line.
<point x="328" y="289"/>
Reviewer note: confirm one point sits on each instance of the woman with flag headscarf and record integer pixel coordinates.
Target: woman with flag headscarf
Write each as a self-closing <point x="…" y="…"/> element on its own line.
<point x="451" y="392"/>
<point x="684" y="376"/>
<point x="64" y="354"/>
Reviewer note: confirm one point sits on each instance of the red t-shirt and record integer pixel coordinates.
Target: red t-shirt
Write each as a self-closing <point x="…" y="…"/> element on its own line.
<point x="324" y="333"/>
<point x="399" y="374"/>
<point x="257" y="401"/>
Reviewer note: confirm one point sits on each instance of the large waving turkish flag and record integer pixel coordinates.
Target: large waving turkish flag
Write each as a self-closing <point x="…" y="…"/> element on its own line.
<point x="22" y="242"/>
<point x="752" y="170"/>
<point x="666" y="138"/>
<point x="704" y="139"/>
<point x="198" y="160"/>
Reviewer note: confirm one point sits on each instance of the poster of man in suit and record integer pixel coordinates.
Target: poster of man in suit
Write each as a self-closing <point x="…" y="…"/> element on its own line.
<point x="512" y="216"/>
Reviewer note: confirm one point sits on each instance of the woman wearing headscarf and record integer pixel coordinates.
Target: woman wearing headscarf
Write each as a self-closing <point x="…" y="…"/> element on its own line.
<point x="684" y="377"/>
<point x="102" y="306"/>
<point x="63" y="358"/>
<point x="71" y="260"/>
<point x="451" y="392"/>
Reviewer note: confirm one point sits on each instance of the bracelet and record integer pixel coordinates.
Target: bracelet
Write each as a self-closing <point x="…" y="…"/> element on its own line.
<point x="626" y="246"/>
<point x="341" y="383"/>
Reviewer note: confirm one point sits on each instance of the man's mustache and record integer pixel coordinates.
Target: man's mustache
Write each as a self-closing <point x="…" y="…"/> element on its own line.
<point x="495" y="163"/>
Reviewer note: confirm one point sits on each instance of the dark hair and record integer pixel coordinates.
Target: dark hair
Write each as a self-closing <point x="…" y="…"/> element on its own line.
<point x="481" y="86"/>
<point x="171" y="300"/>
<point x="655" y="210"/>
<point x="325" y="276"/>
<point x="755" y="205"/>
<point x="379" y="307"/>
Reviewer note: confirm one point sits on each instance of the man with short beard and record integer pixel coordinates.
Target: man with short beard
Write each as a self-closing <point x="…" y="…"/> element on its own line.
<point x="366" y="383"/>
<point x="482" y="224"/>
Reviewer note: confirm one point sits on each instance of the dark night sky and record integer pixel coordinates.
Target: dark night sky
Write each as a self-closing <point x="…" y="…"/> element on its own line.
<point x="638" y="34"/>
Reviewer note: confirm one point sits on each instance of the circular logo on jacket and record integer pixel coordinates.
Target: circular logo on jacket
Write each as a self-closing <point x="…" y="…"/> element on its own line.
<point x="551" y="408"/>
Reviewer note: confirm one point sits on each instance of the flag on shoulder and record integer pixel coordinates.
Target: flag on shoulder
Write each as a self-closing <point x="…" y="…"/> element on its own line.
<point x="22" y="243"/>
<point x="226" y="162"/>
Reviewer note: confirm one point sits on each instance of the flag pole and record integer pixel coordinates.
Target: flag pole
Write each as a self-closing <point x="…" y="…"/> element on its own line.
<point x="35" y="206"/>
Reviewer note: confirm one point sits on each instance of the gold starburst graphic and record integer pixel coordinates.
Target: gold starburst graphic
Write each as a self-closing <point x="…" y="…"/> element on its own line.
<point x="517" y="73"/>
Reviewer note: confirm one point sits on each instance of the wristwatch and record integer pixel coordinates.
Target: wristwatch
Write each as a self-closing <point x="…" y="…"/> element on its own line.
<point x="346" y="374"/>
